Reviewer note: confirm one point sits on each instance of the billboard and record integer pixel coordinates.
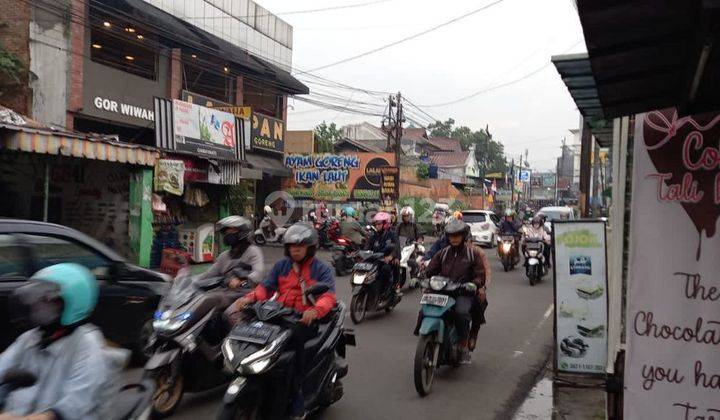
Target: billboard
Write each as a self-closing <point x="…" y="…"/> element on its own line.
<point x="672" y="366"/>
<point x="580" y="297"/>
<point x="204" y="131"/>
<point x="341" y="177"/>
<point x="267" y="133"/>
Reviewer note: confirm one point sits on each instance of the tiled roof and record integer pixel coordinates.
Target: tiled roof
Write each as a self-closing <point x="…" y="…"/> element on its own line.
<point x="449" y="159"/>
<point x="445" y="144"/>
<point x="376" y="146"/>
<point x="416" y="134"/>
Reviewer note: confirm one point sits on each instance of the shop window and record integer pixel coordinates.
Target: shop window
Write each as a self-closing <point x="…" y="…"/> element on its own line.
<point x="50" y="250"/>
<point x="124" y="50"/>
<point x="197" y="79"/>
<point x="11" y="260"/>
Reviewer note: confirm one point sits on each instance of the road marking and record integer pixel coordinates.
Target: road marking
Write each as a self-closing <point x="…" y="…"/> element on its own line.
<point x="546" y="316"/>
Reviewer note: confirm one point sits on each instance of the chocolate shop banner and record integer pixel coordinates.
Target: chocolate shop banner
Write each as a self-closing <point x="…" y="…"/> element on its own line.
<point x="673" y="313"/>
<point x="580" y="297"/>
<point x="338" y="177"/>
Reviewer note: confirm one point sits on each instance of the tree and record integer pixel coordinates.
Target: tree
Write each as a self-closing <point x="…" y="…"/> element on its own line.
<point x="423" y="171"/>
<point x="489" y="153"/>
<point x="326" y="136"/>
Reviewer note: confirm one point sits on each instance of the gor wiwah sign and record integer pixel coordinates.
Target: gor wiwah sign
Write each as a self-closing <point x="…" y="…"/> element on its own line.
<point x="673" y="314"/>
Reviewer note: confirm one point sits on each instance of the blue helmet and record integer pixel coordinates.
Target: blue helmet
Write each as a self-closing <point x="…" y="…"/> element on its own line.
<point x="78" y="290"/>
<point x="349" y="211"/>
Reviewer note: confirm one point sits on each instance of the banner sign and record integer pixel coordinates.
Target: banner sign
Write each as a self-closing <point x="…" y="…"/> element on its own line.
<point x="267" y="133"/>
<point x="243" y="112"/>
<point x="580" y="297"/>
<point x="338" y="177"/>
<point x="548" y="180"/>
<point x="672" y="367"/>
<point x="390" y="184"/>
<point x="524" y="176"/>
<point x="170" y="176"/>
<point x="204" y="131"/>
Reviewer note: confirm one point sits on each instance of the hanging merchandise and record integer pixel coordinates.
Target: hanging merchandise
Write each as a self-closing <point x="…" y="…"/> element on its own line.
<point x="158" y="205"/>
<point x="195" y="197"/>
<point x="169" y="176"/>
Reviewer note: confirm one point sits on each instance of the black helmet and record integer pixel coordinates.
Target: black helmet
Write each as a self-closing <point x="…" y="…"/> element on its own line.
<point x="242" y="224"/>
<point x="455" y="226"/>
<point x="301" y="233"/>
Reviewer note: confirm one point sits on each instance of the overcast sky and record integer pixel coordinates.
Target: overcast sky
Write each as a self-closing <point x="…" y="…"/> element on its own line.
<point x="500" y="44"/>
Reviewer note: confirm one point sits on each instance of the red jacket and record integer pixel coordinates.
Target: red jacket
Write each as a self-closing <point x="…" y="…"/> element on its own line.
<point x="285" y="281"/>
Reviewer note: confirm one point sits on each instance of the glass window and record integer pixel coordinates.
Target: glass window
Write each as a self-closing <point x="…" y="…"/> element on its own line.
<point x="474" y="217"/>
<point x="123" y="46"/>
<point x="11" y="261"/>
<point x="50" y="250"/>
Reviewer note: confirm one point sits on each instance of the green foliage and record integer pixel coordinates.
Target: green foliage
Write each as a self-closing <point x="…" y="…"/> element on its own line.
<point x="423" y="171"/>
<point x="326" y="136"/>
<point x="10" y="65"/>
<point x="489" y="153"/>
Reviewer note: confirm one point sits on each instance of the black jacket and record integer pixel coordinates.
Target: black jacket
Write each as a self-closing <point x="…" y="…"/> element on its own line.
<point x="386" y="242"/>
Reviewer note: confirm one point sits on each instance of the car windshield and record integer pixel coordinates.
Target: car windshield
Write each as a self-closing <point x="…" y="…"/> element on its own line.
<point x="553" y="215"/>
<point x="474" y="217"/>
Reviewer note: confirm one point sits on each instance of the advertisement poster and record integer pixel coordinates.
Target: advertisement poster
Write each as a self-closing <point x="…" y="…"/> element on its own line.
<point x="204" y="131"/>
<point x="390" y="185"/>
<point x="672" y="364"/>
<point x="267" y="133"/>
<point x="170" y="176"/>
<point x="337" y="177"/>
<point x="580" y="297"/>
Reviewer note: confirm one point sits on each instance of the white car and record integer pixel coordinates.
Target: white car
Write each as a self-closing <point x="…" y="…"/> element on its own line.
<point x="556" y="214"/>
<point x="483" y="226"/>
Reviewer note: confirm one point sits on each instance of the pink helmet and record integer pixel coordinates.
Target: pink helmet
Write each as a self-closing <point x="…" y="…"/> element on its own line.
<point x="383" y="217"/>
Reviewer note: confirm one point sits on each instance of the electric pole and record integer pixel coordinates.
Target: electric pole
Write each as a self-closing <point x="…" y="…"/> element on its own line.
<point x="392" y="125"/>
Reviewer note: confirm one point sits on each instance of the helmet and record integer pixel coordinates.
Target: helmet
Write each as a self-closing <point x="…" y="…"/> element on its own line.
<point x="349" y="211"/>
<point x="384" y="217"/>
<point x="72" y="283"/>
<point x="243" y="225"/>
<point x="407" y="211"/>
<point x="301" y="233"/>
<point x="536" y="220"/>
<point x="509" y="213"/>
<point x="455" y="226"/>
<point x="458" y="215"/>
<point x="267" y="210"/>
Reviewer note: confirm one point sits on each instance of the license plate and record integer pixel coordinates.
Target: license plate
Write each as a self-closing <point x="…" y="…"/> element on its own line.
<point x="257" y="332"/>
<point x="435" y="300"/>
<point x="531" y="245"/>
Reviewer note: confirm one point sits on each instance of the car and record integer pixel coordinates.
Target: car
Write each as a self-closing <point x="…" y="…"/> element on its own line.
<point x="556" y="213"/>
<point x="128" y="295"/>
<point x="483" y="226"/>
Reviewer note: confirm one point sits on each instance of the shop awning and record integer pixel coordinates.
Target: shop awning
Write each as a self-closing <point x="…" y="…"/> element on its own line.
<point x="37" y="141"/>
<point x="647" y="55"/>
<point x="269" y="166"/>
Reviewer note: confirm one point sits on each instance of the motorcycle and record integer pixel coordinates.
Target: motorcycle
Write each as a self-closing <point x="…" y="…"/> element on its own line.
<point x="186" y="352"/>
<point x="409" y="269"/>
<point x="535" y="267"/>
<point x="366" y="295"/>
<point x="438" y="340"/>
<point x="258" y="354"/>
<point x="344" y="254"/>
<point x="507" y="250"/>
<point x="266" y="234"/>
<point x="328" y="231"/>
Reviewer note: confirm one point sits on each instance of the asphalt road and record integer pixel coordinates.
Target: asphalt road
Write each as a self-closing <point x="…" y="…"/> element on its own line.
<point x="512" y="348"/>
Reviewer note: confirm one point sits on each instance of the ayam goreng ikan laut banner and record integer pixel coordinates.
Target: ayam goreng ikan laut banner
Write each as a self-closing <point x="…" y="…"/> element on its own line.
<point x="337" y="177"/>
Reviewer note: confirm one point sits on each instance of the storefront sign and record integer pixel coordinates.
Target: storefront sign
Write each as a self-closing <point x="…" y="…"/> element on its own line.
<point x="548" y="180"/>
<point x="204" y="131"/>
<point x="339" y="178"/>
<point x="117" y="107"/>
<point x="672" y="368"/>
<point x="244" y="112"/>
<point x="170" y="176"/>
<point x="267" y="133"/>
<point x="580" y="297"/>
<point x="390" y="185"/>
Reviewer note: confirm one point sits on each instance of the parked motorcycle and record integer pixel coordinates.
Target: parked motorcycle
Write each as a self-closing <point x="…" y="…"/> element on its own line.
<point x="507" y="250"/>
<point x="366" y="291"/>
<point x="344" y="254"/>
<point x="438" y="340"/>
<point x="186" y="341"/>
<point x="258" y="354"/>
<point x="409" y="269"/>
<point x="535" y="264"/>
<point x="266" y="234"/>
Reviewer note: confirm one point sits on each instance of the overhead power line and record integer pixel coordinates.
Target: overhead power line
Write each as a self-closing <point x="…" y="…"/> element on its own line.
<point x="408" y="38"/>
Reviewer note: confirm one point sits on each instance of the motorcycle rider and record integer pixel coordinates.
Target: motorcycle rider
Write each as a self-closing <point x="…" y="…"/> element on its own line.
<point x="463" y="261"/>
<point x="536" y="230"/>
<point x="407" y="227"/>
<point x="289" y="278"/>
<point x="442" y="242"/>
<point x="384" y="241"/>
<point x="509" y="226"/>
<point x="351" y="228"/>
<point x="62" y="350"/>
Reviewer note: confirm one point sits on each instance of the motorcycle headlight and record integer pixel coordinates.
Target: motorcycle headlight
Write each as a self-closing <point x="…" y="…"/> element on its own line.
<point x="532" y="253"/>
<point x="167" y="322"/>
<point x="259" y="366"/>
<point x="505" y="247"/>
<point x="227" y="350"/>
<point x="359" y="278"/>
<point x="436" y="284"/>
<point x="260" y="360"/>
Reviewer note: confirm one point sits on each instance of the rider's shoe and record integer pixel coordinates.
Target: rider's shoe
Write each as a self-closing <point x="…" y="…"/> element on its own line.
<point x="464" y="356"/>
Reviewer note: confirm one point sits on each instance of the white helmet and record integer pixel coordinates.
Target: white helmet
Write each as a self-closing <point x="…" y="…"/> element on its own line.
<point x="407" y="211"/>
<point x="268" y="210"/>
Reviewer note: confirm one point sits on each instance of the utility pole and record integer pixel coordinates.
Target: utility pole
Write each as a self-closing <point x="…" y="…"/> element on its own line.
<point x="512" y="183"/>
<point x="392" y="125"/>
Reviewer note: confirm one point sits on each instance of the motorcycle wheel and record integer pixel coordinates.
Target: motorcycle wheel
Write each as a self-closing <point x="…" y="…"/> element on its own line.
<point x="166" y="397"/>
<point x="238" y="411"/>
<point x="358" y="307"/>
<point x="425" y="364"/>
<point x="259" y="240"/>
<point x="533" y="279"/>
<point x="506" y="267"/>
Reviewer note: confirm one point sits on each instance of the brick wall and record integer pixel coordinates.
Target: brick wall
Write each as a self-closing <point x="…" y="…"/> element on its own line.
<point x="176" y="78"/>
<point x="78" y="36"/>
<point x="15" y="39"/>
